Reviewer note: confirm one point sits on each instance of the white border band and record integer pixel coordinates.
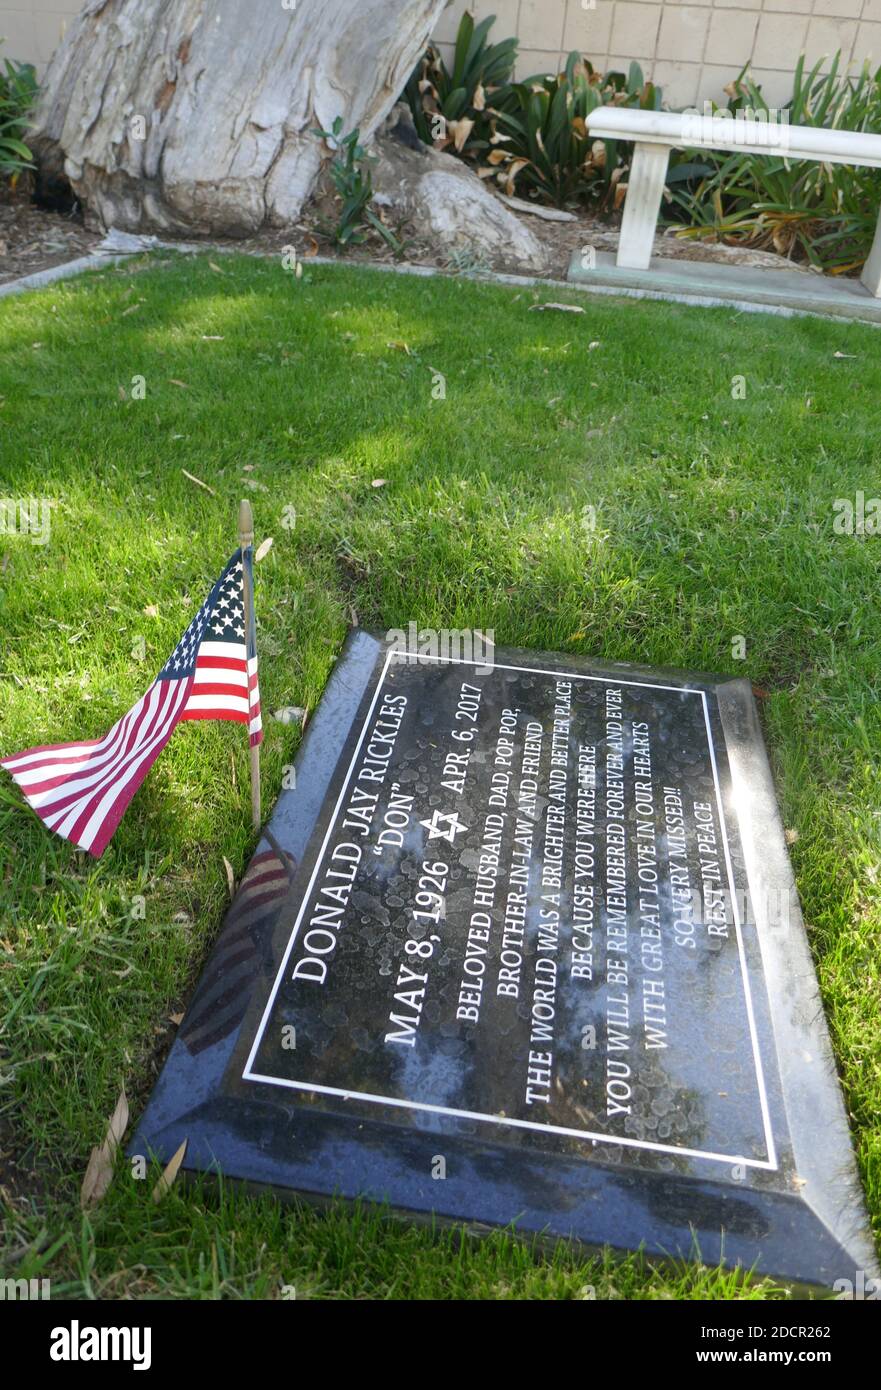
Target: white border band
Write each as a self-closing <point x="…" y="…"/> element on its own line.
<point x="770" y="1163"/>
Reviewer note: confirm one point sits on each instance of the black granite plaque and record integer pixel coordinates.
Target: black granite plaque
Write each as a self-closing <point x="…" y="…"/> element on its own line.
<point x="523" y="945"/>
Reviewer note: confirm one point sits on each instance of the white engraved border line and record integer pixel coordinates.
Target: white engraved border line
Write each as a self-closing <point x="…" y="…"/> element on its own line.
<point x="248" y="1075"/>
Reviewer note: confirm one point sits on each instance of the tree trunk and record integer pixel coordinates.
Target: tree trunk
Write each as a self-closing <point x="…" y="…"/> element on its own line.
<point x="195" y="116"/>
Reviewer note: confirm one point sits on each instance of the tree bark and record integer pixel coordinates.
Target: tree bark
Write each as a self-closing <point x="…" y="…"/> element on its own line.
<point x="195" y="116"/>
<point x="445" y="204"/>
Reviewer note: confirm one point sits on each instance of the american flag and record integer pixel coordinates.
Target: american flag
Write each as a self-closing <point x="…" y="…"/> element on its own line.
<point x="81" y="790"/>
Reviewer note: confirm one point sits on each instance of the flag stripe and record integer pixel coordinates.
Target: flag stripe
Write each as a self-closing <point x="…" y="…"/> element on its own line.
<point x="69" y="806"/>
<point x="235" y="716"/>
<point x="47" y="752"/>
<point x="46" y="777"/>
<point x="201" y="688"/>
<point x="220" y="663"/>
<point x="78" y="780"/>
<point x="209" y="671"/>
<point x="82" y="789"/>
<point x="220" y="702"/>
<point x="255" y="722"/>
<point x="66" y="809"/>
<point x="72" y="818"/>
<point x="234" y="651"/>
<point x="115" y="800"/>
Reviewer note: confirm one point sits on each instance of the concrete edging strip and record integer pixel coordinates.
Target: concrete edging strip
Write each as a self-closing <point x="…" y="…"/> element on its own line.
<point x="702" y="298"/>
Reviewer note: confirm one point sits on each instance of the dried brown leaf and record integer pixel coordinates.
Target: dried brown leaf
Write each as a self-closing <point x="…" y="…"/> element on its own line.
<point x="119" y="1119"/>
<point x="460" y="130"/>
<point x="97" y="1179"/>
<point x="99" y="1171"/>
<point x="169" y="1173"/>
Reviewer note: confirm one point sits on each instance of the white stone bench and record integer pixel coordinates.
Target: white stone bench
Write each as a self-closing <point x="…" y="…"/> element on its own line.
<point x="656" y="133"/>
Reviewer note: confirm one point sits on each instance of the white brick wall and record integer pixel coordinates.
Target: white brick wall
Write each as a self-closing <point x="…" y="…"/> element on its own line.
<point x="32" y="28"/>
<point x="692" y="48"/>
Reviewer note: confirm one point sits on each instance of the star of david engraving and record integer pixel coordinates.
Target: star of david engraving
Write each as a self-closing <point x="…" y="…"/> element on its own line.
<point x="439" y="819"/>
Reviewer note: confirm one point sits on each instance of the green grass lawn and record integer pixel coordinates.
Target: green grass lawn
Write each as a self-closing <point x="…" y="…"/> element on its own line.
<point x="713" y="520"/>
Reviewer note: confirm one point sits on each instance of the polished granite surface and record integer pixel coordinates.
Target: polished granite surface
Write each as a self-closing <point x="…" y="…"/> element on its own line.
<point x="523" y="945"/>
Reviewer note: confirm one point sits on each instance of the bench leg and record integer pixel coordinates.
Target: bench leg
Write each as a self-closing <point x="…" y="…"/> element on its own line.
<point x="645" y="185"/>
<point x="871" y="275"/>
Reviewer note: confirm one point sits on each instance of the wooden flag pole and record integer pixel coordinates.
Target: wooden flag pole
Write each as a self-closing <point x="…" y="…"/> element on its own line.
<point x="246" y="541"/>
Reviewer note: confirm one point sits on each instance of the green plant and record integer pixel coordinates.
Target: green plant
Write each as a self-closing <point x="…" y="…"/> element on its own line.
<point x="18" y="93"/>
<point x="350" y="174"/>
<point x="466" y="263"/>
<point x="540" y="139"/>
<point x="450" y="108"/>
<point x="822" y="213"/>
<point x="528" y="136"/>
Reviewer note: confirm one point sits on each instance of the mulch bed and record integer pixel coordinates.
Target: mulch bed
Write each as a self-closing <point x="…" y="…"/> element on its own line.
<point x="33" y="239"/>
